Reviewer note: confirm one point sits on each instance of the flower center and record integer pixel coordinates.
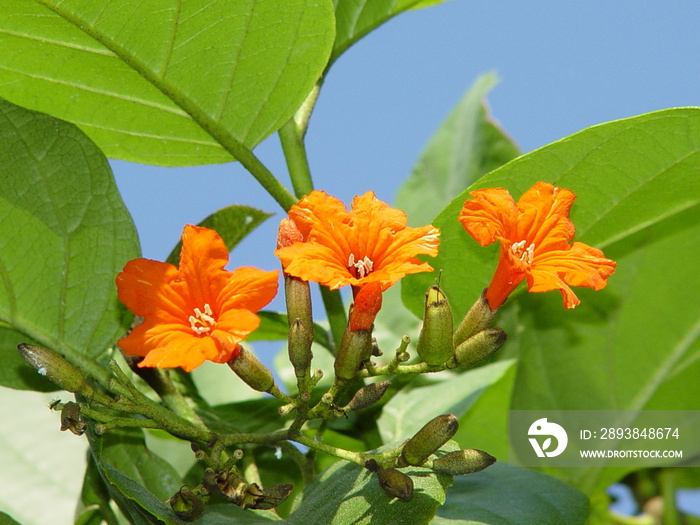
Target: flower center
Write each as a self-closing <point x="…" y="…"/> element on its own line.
<point x="202" y="322"/>
<point x="523" y="254"/>
<point x="363" y="267"/>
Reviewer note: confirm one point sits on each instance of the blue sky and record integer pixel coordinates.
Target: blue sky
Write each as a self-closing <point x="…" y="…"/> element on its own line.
<point x="563" y="66"/>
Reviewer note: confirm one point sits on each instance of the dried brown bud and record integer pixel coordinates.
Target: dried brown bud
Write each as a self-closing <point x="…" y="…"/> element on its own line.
<point x="186" y="504"/>
<point x="70" y="419"/>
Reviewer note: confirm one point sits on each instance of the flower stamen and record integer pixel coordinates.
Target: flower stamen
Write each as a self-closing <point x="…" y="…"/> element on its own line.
<point x="524" y="255"/>
<point x="364" y="266"/>
<point x="202" y="322"/>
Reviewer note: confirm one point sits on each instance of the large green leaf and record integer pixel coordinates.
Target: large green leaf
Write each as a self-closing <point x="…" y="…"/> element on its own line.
<point x="467" y="145"/>
<point x="627" y="174"/>
<point x="14" y="372"/>
<point x="138" y="480"/>
<point x="356" y="18"/>
<point x="505" y="495"/>
<point x="410" y="409"/>
<point x="64" y="235"/>
<point x="635" y="344"/>
<point x="161" y="82"/>
<point x="41" y="466"/>
<point x="346" y="493"/>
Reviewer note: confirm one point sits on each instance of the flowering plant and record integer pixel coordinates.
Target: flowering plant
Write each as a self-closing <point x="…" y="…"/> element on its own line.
<point x="406" y="331"/>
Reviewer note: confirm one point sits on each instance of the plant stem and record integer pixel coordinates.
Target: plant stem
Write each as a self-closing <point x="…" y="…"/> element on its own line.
<point x="335" y="310"/>
<point x="295" y="155"/>
<point x="667" y="480"/>
<point x="353" y="457"/>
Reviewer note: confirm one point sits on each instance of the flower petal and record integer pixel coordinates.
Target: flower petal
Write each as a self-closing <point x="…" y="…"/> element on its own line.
<point x="544" y="217"/>
<point x="149" y="287"/>
<point x="313" y="261"/>
<point x="247" y="288"/>
<point x="202" y="260"/>
<point x="316" y="209"/>
<point x="491" y="214"/>
<point x="581" y="265"/>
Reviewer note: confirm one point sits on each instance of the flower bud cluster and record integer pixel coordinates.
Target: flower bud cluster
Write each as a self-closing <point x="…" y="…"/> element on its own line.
<point x="473" y="341"/>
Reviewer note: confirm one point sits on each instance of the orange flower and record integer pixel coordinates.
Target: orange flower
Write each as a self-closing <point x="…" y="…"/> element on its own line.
<point x="535" y="234"/>
<point x="369" y="243"/>
<point x="194" y="313"/>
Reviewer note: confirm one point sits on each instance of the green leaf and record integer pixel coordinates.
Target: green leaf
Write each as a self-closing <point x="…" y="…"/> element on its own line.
<point x="139" y="480"/>
<point x="635" y="344"/>
<point x="347" y="493"/>
<point x="467" y="145"/>
<point x="163" y="83"/>
<point x="233" y="223"/>
<point x="41" y="466"/>
<point x="254" y="415"/>
<point x="226" y="514"/>
<point x="57" y="276"/>
<point x="505" y="495"/>
<point x="14" y="372"/>
<point x="410" y="409"/>
<point x="356" y="18"/>
<point x="628" y="174"/>
<point x="485" y="424"/>
<point x="275" y="327"/>
<point x="6" y="519"/>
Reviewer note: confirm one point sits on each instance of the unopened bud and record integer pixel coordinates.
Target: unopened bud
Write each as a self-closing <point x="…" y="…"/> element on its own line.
<point x="463" y="462"/>
<point x="186" y="504"/>
<point x="396" y="483"/>
<point x="367" y="396"/>
<point x="298" y="298"/>
<point x="251" y="371"/>
<point x="479" y="347"/>
<point x="478" y="317"/>
<point x="435" y="340"/>
<point x="288" y="234"/>
<point x="56" y="369"/>
<point x="299" y="348"/>
<point x="70" y="419"/>
<point x="355" y="348"/>
<point x="428" y="439"/>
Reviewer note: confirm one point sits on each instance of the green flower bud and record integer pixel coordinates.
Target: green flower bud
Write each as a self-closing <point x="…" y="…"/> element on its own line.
<point x="463" y="462"/>
<point x="478" y="317"/>
<point x="435" y="340"/>
<point x="251" y="371"/>
<point x="479" y="347"/>
<point x="299" y="348"/>
<point x="186" y="504"/>
<point x="355" y="348"/>
<point x="298" y="297"/>
<point x="367" y="396"/>
<point x="55" y="368"/>
<point x="395" y="483"/>
<point x="428" y="439"/>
